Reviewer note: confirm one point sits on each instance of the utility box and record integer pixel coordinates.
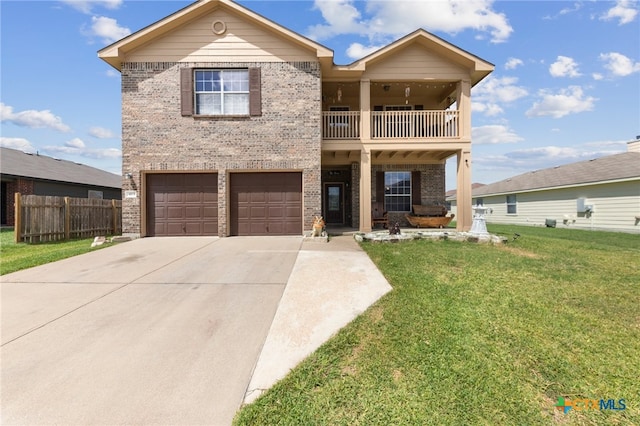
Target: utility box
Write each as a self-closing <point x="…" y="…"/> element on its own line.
<point x="583" y="207"/>
<point x="550" y="223"/>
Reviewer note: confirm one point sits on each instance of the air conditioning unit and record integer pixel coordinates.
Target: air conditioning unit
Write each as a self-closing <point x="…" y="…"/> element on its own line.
<point x="583" y="207"/>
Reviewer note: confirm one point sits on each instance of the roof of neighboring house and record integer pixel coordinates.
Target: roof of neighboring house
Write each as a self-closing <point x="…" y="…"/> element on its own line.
<point x="452" y="192"/>
<point x="604" y="169"/>
<point x="21" y="164"/>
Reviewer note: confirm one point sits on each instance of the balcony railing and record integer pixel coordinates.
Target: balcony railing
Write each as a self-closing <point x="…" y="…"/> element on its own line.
<point x="341" y="124"/>
<point x="392" y="124"/>
<point x="414" y="124"/>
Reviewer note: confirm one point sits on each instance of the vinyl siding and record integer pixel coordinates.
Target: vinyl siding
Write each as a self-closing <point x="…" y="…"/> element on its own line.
<point x="616" y="206"/>
<point x="242" y="41"/>
<point x="414" y="62"/>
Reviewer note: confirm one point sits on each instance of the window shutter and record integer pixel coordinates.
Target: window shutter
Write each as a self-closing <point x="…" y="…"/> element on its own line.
<point x="186" y="91"/>
<point x="255" y="92"/>
<point x="380" y="187"/>
<point x="416" y="188"/>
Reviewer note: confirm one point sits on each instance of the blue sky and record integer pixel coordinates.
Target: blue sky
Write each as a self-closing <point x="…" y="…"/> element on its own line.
<point x="566" y="85"/>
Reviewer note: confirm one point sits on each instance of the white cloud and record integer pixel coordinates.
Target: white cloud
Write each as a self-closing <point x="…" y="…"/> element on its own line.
<point x="488" y="109"/>
<point x="400" y="17"/>
<point x="618" y="64"/>
<point x="564" y="67"/>
<point x="513" y="63"/>
<point x="597" y="76"/>
<point x="571" y="100"/>
<point x="358" y="51"/>
<point x="20" y="144"/>
<point x="112" y="73"/>
<point x="86" y="6"/>
<point x="32" y="119"/>
<point x="108" y="29"/>
<point x="76" y="146"/>
<point x="499" y="89"/>
<point x="101" y="133"/>
<point x="625" y="11"/>
<point x="493" y="134"/>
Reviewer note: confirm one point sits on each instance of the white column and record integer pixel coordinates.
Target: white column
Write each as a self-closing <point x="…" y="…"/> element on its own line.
<point x="365" y="190"/>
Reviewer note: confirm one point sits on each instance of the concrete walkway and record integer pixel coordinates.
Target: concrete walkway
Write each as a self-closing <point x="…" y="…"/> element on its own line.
<point x="172" y="330"/>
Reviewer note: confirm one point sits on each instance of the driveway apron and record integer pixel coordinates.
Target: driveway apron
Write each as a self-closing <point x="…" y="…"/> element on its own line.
<point x="153" y="331"/>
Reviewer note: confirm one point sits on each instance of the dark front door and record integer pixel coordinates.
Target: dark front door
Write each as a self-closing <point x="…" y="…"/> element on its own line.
<point x="334" y="203"/>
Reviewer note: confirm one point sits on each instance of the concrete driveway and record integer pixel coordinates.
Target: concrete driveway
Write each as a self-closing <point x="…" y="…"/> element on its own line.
<point x="172" y="330"/>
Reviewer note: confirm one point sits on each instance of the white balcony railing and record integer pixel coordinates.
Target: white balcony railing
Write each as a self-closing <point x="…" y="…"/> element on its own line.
<point x="392" y="124"/>
<point x="341" y="124"/>
<point x="414" y="124"/>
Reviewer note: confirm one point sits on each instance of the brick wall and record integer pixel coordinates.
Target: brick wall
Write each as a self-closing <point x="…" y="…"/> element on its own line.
<point x="24" y="187"/>
<point x="432" y="185"/>
<point x="286" y="137"/>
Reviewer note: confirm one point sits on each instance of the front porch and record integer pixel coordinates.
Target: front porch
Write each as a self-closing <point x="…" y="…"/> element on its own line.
<point x="355" y="181"/>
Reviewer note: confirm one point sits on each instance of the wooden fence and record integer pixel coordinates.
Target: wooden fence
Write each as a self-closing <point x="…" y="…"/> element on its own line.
<point x="41" y="218"/>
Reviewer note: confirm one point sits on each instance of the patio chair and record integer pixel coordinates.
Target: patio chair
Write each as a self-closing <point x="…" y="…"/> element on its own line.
<point x="379" y="216"/>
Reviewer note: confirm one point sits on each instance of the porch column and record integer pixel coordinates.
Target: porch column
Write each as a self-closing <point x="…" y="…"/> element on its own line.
<point x="365" y="190"/>
<point x="365" y="110"/>
<point x="464" y="215"/>
<point x="463" y="98"/>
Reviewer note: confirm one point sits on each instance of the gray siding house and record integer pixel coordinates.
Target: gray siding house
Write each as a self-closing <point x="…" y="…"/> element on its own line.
<point x="598" y="194"/>
<point x="33" y="174"/>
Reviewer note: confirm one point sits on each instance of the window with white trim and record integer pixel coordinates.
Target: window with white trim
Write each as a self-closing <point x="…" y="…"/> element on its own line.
<point x="397" y="191"/>
<point x="511" y="204"/>
<point x="221" y="92"/>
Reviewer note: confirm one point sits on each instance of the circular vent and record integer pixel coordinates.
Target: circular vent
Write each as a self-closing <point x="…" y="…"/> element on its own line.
<point x="218" y="27"/>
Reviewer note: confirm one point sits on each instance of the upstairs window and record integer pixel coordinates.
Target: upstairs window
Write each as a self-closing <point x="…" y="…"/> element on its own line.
<point x="222" y="92"/>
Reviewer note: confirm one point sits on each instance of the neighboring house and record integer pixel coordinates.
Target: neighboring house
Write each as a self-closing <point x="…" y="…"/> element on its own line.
<point x="33" y="174"/>
<point x="602" y="194"/>
<point x="235" y="125"/>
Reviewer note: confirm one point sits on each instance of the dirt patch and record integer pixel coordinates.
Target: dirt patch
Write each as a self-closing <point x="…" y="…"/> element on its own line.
<point x="520" y="252"/>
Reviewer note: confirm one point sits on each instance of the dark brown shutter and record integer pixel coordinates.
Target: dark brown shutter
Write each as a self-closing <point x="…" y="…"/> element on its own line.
<point x="255" y="92"/>
<point x="380" y="187"/>
<point x="416" y="188"/>
<point x="186" y="91"/>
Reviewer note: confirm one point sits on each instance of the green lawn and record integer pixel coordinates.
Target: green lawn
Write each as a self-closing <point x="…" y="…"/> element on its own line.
<point x="480" y="334"/>
<point x="14" y="257"/>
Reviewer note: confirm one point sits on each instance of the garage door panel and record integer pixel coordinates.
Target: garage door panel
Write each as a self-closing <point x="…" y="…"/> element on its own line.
<point x="182" y="204"/>
<point x="266" y="203"/>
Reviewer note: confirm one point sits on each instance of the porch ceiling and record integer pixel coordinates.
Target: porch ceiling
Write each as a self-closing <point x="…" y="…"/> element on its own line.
<point x="387" y="156"/>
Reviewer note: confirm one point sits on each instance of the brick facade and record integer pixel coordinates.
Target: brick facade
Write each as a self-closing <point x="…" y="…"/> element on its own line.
<point x="24" y="187"/>
<point x="156" y="137"/>
<point x="432" y="185"/>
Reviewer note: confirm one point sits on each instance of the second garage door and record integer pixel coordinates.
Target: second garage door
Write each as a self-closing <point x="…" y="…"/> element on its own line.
<point x="182" y="204"/>
<point x="266" y="203"/>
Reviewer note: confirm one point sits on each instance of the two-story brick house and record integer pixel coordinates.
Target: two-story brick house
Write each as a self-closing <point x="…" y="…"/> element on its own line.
<point x="235" y="125"/>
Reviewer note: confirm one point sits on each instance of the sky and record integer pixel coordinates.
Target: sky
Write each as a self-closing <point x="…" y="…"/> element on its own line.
<point x="566" y="84"/>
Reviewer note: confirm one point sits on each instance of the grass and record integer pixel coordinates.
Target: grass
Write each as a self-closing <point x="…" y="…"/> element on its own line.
<point x="15" y="257"/>
<point x="480" y="334"/>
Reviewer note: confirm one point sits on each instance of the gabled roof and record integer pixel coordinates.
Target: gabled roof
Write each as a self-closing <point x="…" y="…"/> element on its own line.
<point x="478" y="66"/>
<point x="617" y="167"/>
<point x="20" y="164"/>
<point x="116" y="52"/>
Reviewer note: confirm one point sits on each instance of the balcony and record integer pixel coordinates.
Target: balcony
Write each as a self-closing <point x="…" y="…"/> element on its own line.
<point x="392" y="124"/>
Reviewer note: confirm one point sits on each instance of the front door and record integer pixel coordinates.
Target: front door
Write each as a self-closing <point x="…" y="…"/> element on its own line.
<point x="334" y="203"/>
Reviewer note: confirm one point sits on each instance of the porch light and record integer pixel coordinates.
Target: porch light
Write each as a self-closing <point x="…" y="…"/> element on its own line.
<point x="407" y="92"/>
<point x="339" y="95"/>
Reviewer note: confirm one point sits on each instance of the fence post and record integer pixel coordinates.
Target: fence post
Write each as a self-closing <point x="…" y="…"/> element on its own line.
<point x="114" y="213"/>
<point x="67" y="219"/>
<point x="17" y="218"/>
